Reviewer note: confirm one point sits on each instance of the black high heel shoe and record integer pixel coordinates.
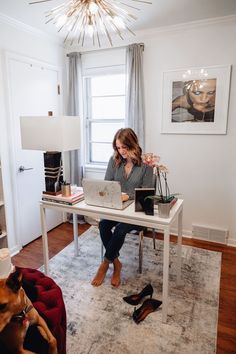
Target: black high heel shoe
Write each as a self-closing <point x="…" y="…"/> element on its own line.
<point x="148" y="306"/>
<point x="136" y="298"/>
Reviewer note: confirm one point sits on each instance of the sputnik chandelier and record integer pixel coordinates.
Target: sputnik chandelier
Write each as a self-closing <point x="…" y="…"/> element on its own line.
<point x="92" y="18"/>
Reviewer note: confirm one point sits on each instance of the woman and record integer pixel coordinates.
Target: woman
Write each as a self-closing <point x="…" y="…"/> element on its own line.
<point x="125" y="166"/>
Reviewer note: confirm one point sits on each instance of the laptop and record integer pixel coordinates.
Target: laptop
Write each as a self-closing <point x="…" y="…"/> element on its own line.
<point x="105" y="194"/>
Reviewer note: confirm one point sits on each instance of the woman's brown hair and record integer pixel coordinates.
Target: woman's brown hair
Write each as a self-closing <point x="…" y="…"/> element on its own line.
<point x="128" y="138"/>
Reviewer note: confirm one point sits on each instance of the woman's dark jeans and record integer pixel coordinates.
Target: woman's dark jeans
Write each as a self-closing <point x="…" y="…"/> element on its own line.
<point x="113" y="240"/>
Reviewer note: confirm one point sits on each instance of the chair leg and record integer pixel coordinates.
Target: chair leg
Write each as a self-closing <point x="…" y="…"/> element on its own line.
<point x="154" y="238"/>
<point x="141" y="251"/>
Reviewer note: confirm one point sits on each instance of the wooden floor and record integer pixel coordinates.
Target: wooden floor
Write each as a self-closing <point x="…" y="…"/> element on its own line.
<point x="32" y="257"/>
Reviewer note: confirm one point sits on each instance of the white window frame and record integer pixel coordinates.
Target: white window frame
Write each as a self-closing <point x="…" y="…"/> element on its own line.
<point x="109" y="70"/>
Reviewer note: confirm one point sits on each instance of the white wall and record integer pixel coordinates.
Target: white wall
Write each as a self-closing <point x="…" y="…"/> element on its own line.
<point x="202" y="167"/>
<point x="24" y="41"/>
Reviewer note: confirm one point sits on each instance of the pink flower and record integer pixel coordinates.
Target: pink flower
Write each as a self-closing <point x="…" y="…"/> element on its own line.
<point x="151" y="159"/>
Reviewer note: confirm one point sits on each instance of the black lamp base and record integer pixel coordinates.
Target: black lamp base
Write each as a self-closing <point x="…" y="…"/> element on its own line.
<point x="53" y="172"/>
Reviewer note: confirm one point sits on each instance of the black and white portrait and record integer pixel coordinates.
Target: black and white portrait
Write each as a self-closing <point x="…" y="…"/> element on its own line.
<point x="194" y="100"/>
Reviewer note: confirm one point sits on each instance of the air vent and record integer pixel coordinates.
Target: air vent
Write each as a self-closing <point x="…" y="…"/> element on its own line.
<point x="210" y="234"/>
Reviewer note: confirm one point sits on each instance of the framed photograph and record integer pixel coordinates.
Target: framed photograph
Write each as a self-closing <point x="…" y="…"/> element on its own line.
<point x="195" y="100"/>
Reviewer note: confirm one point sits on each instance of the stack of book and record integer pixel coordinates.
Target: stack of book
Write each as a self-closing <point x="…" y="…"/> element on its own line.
<point x="76" y="196"/>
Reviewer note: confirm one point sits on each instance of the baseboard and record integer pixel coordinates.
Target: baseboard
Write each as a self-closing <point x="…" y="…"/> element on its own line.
<point x="14" y="250"/>
<point x="231" y="242"/>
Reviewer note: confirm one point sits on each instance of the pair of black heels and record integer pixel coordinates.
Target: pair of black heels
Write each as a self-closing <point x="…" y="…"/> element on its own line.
<point x="148" y="306"/>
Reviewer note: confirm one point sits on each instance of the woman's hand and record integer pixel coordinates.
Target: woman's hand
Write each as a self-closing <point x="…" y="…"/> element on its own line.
<point x="124" y="197"/>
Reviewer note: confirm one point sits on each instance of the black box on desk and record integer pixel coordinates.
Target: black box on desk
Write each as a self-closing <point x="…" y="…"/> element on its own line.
<point x="142" y="203"/>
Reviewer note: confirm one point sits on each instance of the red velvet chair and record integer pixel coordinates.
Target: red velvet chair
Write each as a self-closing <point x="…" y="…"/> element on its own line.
<point x="46" y="297"/>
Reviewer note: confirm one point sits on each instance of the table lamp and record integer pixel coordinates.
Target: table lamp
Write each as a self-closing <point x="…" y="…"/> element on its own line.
<point x="54" y="135"/>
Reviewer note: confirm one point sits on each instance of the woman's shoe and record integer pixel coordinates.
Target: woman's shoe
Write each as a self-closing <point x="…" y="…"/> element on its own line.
<point x="136" y="298"/>
<point x="148" y="306"/>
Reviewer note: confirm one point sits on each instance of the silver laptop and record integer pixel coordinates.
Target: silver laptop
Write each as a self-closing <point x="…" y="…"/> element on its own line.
<point x="105" y="194"/>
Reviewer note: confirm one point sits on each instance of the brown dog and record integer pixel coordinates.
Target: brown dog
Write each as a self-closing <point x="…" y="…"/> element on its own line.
<point x="17" y="314"/>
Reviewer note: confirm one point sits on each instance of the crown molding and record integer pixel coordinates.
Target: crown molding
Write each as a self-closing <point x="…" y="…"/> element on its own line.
<point x="29" y="29"/>
<point x="186" y="26"/>
<point x="153" y="32"/>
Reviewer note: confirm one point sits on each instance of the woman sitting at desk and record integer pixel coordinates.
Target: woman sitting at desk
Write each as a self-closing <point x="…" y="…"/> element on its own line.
<point x="125" y="166"/>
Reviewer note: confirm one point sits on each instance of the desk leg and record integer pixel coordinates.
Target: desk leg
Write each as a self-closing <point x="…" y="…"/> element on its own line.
<point x="166" y="255"/>
<point x="179" y="247"/>
<point x="45" y="239"/>
<point x="75" y="233"/>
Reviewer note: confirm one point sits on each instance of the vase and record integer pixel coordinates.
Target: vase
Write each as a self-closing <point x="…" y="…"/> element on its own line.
<point x="164" y="210"/>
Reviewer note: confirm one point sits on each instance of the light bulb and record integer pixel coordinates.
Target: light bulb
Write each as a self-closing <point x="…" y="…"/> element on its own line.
<point x="61" y="20"/>
<point x="93" y="8"/>
<point x="118" y="22"/>
<point x="90" y="30"/>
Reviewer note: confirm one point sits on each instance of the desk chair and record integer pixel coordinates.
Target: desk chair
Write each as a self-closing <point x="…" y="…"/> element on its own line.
<point x="141" y="234"/>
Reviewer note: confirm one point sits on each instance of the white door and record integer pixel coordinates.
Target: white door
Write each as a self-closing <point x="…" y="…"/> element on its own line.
<point x="32" y="91"/>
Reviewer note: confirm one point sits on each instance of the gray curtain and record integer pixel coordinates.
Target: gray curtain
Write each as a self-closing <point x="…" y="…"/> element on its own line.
<point x="135" y="91"/>
<point x="76" y="169"/>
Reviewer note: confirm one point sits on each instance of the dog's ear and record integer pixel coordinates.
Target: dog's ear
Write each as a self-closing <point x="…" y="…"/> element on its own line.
<point x="14" y="281"/>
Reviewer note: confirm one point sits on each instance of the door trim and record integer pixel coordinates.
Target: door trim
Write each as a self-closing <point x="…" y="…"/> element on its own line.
<point x="14" y="238"/>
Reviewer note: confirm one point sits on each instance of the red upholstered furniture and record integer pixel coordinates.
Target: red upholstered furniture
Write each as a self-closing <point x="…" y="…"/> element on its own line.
<point x="46" y="297"/>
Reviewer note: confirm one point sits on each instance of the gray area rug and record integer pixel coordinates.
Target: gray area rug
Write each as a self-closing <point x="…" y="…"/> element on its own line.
<point x="100" y="322"/>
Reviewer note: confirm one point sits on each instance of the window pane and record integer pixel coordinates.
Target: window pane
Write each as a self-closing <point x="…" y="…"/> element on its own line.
<point x="101" y="152"/>
<point x="104" y="132"/>
<point x="108" y="107"/>
<point x="108" y="85"/>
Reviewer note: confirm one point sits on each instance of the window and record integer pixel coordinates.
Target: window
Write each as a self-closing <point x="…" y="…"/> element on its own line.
<point x="105" y="114"/>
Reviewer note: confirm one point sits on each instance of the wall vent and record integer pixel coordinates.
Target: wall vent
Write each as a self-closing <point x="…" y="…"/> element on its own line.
<point x="210" y="234"/>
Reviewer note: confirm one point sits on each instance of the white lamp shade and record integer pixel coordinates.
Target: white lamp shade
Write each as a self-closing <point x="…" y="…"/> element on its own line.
<point x="49" y="133"/>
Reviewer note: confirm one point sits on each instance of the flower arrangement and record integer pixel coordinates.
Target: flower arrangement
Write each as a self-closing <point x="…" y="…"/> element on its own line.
<point x="160" y="171"/>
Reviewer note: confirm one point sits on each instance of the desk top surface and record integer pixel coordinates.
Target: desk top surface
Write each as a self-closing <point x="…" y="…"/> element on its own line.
<point x="128" y="215"/>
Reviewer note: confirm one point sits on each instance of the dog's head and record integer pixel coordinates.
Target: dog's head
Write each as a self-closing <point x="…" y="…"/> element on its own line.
<point x="12" y="299"/>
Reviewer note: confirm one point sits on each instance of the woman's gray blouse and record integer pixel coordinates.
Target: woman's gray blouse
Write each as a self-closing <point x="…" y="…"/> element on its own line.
<point x="140" y="176"/>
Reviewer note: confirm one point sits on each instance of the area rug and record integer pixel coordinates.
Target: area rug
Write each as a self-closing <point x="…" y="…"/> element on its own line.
<point x="100" y="322"/>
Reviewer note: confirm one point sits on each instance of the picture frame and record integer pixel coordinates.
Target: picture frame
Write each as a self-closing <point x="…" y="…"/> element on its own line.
<point x="195" y="100"/>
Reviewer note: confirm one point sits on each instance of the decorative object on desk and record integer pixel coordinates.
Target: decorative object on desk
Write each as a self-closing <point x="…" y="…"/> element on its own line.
<point x="93" y="19"/>
<point x="65" y="189"/>
<point x="141" y="202"/>
<point x="163" y="197"/>
<point x="192" y="309"/>
<point x="163" y="210"/>
<point x="53" y="135"/>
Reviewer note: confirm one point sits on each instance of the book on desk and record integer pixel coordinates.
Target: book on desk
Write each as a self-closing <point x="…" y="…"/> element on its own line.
<point x="76" y="196"/>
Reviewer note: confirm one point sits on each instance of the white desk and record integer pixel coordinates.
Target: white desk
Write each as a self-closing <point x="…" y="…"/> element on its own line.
<point x="127" y="215"/>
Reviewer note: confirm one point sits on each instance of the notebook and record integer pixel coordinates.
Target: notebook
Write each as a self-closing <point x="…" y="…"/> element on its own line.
<point x="102" y="193"/>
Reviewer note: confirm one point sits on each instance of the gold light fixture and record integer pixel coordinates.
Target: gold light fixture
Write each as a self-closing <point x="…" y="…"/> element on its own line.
<point x="93" y="18"/>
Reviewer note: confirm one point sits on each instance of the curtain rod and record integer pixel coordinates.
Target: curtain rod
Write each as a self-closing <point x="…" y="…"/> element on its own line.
<point x="98" y="50"/>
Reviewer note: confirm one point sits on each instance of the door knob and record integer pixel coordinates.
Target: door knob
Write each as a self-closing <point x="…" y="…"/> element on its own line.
<point x="23" y="168"/>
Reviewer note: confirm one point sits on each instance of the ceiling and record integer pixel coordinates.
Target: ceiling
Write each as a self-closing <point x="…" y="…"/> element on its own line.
<point x="160" y="13"/>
